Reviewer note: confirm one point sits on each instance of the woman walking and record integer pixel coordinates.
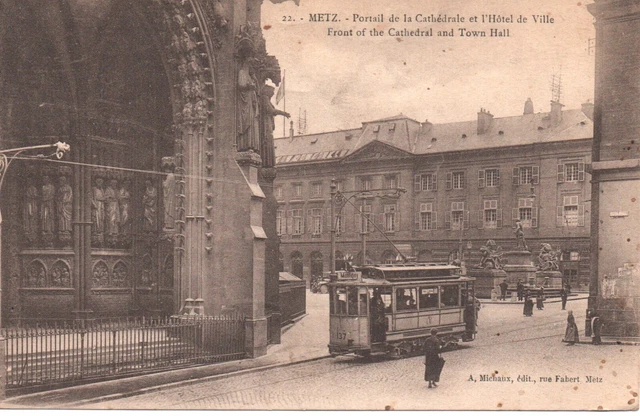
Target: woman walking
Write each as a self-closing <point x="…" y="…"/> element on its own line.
<point x="432" y="361"/>
<point x="571" y="334"/>
<point x="528" y="305"/>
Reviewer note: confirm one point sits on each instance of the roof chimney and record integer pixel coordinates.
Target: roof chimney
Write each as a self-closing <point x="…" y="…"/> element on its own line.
<point x="587" y="109"/>
<point x="484" y="121"/>
<point x="528" y="106"/>
<point x="556" y="113"/>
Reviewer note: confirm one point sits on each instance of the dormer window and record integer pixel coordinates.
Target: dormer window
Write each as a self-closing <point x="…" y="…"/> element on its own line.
<point x="433" y="140"/>
<point x="376" y="128"/>
<point x="501" y="133"/>
<point x="392" y="126"/>
<point x="464" y="136"/>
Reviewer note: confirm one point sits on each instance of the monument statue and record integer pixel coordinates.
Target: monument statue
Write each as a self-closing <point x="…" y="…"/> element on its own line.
<point x="64" y="201"/>
<point x="31" y="213"/>
<point x="168" y="192"/>
<point x="47" y="215"/>
<point x="267" y="115"/>
<point x="150" y="203"/>
<point x="97" y="211"/>
<point x="519" y="232"/>
<point x="112" y="211"/>
<point x="547" y="259"/>
<point x="124" y="198"/>
<point x="491" y="256"/>
<point x="248" y="112"/>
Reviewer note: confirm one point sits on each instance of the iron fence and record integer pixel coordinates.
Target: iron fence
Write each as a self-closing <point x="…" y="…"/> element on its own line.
<point x="63" y="353"/>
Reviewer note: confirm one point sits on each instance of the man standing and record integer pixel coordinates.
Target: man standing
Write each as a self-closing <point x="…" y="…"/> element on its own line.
<point x="563" y="297"/>
<point x="520" y="290"/>
<point x="503" y="290"/>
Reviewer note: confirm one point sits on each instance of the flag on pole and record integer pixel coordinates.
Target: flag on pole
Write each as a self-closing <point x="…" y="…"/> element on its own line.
<point x="280" y="93"/>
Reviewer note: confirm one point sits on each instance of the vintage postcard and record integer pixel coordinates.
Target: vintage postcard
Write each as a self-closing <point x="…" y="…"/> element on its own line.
<point x="319" y="205"/>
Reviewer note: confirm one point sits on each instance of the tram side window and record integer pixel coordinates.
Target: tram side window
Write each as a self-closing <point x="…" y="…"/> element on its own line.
<point x="428" y="297"/>
<point x="406" y="299"/>
<point x="341" y="301"/>
<point x="450" y="295"/>
<point x="385" y="293"/>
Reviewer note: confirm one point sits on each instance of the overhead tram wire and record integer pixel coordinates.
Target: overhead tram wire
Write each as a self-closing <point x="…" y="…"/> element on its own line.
<point x="116" y="168"/>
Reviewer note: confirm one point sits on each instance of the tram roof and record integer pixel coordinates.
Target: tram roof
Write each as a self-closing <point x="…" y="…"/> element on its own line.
<point x="365" y="281"/>
<point x="411" y="267"/>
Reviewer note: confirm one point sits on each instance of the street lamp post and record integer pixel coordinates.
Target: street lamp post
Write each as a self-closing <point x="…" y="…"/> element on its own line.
<point x="340" y="195"/>
<point x="60" y="149"/>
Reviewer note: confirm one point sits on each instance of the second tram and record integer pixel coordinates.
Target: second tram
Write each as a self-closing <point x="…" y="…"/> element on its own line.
<point x="391" y="309"/>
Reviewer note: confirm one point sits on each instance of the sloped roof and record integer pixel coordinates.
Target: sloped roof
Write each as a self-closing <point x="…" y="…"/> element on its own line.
<point x="504" y="131"/>
<point x="411" y="136"/>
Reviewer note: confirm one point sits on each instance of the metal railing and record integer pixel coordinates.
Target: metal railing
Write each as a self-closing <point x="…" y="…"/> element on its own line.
<point x="66" y="353"/>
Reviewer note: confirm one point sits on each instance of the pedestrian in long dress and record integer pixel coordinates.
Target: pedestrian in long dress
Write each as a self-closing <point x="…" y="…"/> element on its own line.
<point x="540" y="300"/>
<point x="433" y="363"/>
<point x="596" y="327"/>
<point x="571" y="334"/>
<point x="528" y="305"/>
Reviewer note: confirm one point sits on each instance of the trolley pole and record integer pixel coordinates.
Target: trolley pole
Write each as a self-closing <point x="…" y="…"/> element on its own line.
<point x="332" y="258"/>
<point x="364" y="221"/>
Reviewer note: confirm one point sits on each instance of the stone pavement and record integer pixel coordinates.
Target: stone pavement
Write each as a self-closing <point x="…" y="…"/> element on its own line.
<point x="305" y="341"/>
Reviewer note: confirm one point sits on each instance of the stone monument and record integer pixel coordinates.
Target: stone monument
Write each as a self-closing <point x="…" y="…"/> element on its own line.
<point x="489" y="272"/>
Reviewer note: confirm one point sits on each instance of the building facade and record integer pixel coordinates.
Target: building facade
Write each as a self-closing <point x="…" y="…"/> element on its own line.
<point x="466" y="182"/>
<point x="615" y="279"/>
<point x="164" y="204"/>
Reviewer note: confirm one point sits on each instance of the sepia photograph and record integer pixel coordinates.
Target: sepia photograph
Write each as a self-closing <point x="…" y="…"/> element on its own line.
<point x="319" y="205"/>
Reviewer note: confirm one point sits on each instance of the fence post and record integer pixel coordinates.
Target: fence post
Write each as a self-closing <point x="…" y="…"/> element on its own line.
<point x="3" y="368"/>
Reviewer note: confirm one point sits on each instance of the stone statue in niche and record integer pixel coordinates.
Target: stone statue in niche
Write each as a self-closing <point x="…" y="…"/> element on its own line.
<point x="64" y="202"/>
<point x="120" y="275"/>
<point x="248" y="126"/>
<point x="168" y="192"/>
<point x="97" y="212"/>
<point x="150" y="203"/>
<point x="124" y="199"/>
<point x="112" y="213"/>
<point x="267" y="114"/>
<point x="31" y="213"/>
<point x="47" y="210"/>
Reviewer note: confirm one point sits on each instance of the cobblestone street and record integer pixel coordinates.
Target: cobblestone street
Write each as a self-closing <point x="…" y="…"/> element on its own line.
<point x="509" y="345"/>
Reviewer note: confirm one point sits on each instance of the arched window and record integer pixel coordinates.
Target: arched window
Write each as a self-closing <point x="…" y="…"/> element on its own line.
<point x="296" y="263"/>
<point x="316" y="264"/>
<point x="388" y="257"/>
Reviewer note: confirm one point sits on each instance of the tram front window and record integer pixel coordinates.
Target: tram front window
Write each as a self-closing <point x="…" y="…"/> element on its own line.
<point x="352" y="301"/>
<point x="340" y="301"/>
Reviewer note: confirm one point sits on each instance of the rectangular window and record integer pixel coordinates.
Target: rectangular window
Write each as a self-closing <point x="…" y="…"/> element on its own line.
<point x="526" y="213"/>
<point x="450" y="296"/>
<point x="339" y="186"/>
<point x="425" y="220"/>
<point x="490" y="214"/>
<point x="390" y="182"/>
<point x="316" y="189"/>
<point x="458" y="180"/>
<point x="429" y="298"/>
<point x="526" y="175"/>
<point x="363" y="218"/>
<point x="457" y="215"/>
<point x="365" y="184"/>
<point x="406" y="299"/>
<point x="571" y="171"/>
<point x="278" y="193"/>
<point x="492" y="177"/>
<point x="298" y="221"/>
<point x="425" y="182"/>
<point x="571" y="213"/>
<point x="390" y="218"/>
<point x="316" y="221"/>
<point x="339" y="224"/>
<point x="297" y="190"/>
<point x="279" y="222"/>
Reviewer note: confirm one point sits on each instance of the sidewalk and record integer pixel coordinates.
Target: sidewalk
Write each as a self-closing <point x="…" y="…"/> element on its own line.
<point x="313" y="329"/>
<point x="548" y="300"/>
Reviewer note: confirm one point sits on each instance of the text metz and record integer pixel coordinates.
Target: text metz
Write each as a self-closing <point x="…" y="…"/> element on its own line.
<point x="323" y="17"/>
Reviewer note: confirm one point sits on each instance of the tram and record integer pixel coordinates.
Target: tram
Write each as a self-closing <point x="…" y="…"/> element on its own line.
<point x="391" y="309"/>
